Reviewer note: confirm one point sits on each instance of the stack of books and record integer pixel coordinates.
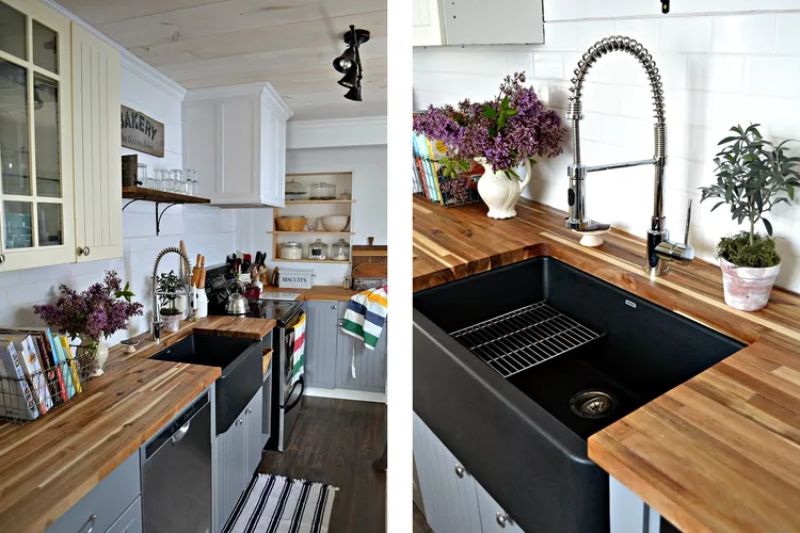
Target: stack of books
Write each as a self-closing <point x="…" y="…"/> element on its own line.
<point x="38" y="370"/>
<point x="428" y="180"/>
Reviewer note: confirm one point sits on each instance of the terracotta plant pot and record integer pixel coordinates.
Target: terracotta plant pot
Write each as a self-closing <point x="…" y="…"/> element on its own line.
<point x="747" y="288"/>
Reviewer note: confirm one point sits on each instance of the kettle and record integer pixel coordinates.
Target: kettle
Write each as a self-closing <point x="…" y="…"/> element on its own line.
<point x="237" y="304"/>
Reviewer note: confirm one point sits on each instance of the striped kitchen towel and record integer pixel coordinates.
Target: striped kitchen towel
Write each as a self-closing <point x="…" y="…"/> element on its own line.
<point x="299" y="349"/>
<point x="365" y="316"/>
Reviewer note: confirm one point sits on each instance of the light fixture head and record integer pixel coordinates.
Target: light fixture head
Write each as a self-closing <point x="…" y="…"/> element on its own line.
<point x="346" y="61"/>
<point x="350" y="78"/>
<point x="354" y="93"/>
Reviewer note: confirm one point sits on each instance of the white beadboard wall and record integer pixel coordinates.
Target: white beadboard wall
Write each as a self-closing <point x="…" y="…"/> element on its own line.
<point x="206" y="230"/>
<point x="718" y="70"/>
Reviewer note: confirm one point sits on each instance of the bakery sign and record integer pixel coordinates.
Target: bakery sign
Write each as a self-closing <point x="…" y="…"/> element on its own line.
<point x="142" y="133"/>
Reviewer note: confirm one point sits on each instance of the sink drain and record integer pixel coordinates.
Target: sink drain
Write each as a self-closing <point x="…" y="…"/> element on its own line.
<point x="592" y="404"/>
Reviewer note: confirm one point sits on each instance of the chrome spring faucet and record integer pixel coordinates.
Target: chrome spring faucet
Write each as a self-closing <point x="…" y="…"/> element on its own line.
<point x="187" y="268"/>
<point x="659" y="248"/>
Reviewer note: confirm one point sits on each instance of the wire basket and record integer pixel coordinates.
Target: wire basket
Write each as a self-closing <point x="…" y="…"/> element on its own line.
<point x="37" y="393"/>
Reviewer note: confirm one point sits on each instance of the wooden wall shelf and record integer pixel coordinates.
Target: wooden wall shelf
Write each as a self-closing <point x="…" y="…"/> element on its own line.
<point x="283" y="232"/>
<point x="320" y="202"/>
<point x="328" y="261"/>
<point x="135" y="194"/>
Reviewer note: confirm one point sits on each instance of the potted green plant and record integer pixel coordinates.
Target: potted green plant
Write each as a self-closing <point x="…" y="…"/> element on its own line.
<point x="170" y="288"/>
<point x="753" y="176"/>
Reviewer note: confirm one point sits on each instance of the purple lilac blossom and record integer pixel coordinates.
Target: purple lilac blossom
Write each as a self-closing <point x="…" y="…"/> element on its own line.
<point x="533" y="132"/>
<point x="96" y="312"/>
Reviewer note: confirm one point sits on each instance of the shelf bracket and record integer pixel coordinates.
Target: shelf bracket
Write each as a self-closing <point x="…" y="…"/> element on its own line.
<point x="161" y="214"/>
<point x="130" y="202"/>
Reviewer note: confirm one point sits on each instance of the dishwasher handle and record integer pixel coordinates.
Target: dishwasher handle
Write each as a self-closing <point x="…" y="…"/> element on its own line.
<point x="182" y="431"/>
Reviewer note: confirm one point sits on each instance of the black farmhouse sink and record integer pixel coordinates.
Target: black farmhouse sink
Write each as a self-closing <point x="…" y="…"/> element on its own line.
<point x="515" y="368"/>
<point x="240" y="362"/>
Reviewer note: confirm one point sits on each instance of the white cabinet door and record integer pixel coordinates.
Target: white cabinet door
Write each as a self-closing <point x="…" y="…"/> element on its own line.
<point x="448" y="490"/>
<point x="426" y="23"/>
<point x="273" y="150"/>
<point x="235" y="137"/>
<point x="494" y="519"/>
<point x="465" y="22"/>
<point x="37" y="221"/>
<point x="96" y="135"/>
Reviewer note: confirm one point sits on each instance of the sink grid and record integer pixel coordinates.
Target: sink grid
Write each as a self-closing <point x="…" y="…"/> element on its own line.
<point x="521" y="339"/>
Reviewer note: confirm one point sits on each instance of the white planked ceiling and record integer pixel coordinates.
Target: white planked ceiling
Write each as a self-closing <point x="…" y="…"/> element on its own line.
<point x="289" y="43"/>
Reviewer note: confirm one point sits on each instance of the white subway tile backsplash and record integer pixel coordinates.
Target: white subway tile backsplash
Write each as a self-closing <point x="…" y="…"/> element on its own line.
<point x="787" y="34"/>
<point x="717" y="73"/>
<point x="685" y="34"/>
<point x="547" y="65"/>
<point x="743" y="34"/>
<point x="773" y="76"/>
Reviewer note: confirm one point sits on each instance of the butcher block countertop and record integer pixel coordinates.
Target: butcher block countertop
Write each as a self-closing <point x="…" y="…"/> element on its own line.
<point x="721" y="452"/>
<point x="48" y="465"/>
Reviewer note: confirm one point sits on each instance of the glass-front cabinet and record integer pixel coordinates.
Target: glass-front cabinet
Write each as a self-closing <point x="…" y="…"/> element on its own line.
<point x="36" y="171"/>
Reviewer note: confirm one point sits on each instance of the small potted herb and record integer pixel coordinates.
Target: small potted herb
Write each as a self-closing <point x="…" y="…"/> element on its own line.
<point x="503" y="135"/>
<point x="753" y="176"/>
<point x="169" y="290"/>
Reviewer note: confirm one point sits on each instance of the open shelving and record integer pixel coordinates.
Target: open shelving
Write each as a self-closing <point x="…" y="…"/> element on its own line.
<point x="312" y="209"/>
<point x="135" y="194"/>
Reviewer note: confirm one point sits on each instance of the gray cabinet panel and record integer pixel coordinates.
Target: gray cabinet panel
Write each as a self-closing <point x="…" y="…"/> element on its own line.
<point x="230" y="469"/>
<point x="450" y="499"/>
<point x="130" y="521"/>
<point x="252" y="424"/>
<point x="321" y="333"/>
<point x="266" y="408"/>
<point x="494" y="518"/>
<point x="370" y="365"/>
<point x="105" y="503"/>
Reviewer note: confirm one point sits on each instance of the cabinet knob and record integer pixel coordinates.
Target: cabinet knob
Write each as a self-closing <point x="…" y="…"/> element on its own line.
<point x="502" y="518"/>
<point x="334" y="306"/>
<point x="2" y="258"/>
<point x="239" y="422"/>
<point x="460" y="470"/>
<point x="248" y="411"/>
<point x="84" y="251"/>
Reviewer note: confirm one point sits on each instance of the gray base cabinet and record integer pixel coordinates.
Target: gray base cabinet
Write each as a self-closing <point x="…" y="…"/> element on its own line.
<point x="321" y="334"/>
<point x="453" y="500"/>
<point x="115" y="498"/>
<point x="130" y="521"/>
<point x="237" y="458"/>
<point x="329" y="352"/>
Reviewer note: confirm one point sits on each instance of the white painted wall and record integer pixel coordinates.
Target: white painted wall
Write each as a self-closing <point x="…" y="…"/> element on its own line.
<point x="206" y="230"/>
<point x="717" y="70"/>
<point x="368" y="216"/>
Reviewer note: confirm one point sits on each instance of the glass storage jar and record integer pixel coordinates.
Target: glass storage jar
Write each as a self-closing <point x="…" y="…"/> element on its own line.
<point x="340" y="250"/>
<point x="295" y="190"/>
<point x="291" y="250"/>
<point x="318" y="250"/>
<point x="323" y="191"/>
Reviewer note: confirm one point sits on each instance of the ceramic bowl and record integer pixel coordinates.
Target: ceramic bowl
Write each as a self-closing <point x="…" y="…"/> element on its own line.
<point x="335" y="222"/>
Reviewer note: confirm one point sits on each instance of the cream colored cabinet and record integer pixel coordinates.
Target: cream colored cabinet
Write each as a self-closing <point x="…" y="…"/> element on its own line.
<point x="36" y="175"/>
<point x="427" y="23"/>
<point x="96" y="138"/>
<point x="235" y="137"/>
<point x="60" y="185"/>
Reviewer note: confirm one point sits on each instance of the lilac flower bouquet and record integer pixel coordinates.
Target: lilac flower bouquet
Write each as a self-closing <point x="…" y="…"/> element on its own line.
<point x="508" y="131"/>
<point x="95" y="313"/>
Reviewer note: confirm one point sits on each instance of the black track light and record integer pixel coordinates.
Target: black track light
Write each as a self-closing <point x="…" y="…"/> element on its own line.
<point x="349" y="63"/>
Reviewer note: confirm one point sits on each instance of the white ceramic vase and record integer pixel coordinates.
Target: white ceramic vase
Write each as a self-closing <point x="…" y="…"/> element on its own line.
<point x="101" y="356"/>
<point x="500" y="192"/>
<point x="747" y="288"/>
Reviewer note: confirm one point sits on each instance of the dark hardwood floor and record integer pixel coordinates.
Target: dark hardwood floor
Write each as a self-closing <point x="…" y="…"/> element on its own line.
<point x="336" y="441"/>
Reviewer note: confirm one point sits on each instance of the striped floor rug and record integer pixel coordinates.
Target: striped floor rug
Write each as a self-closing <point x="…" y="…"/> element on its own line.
<point x="276" y="504"/>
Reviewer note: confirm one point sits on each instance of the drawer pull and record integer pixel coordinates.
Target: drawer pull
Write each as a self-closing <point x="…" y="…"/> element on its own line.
<point x="2" y="259"/>
<point x="88" y="526"/>
<point x="502" y="518"/>
<point x="460" y="470"/>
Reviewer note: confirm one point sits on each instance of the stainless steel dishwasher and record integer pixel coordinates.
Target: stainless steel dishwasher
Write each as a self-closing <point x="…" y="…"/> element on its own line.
<point x="176" y="474"/>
